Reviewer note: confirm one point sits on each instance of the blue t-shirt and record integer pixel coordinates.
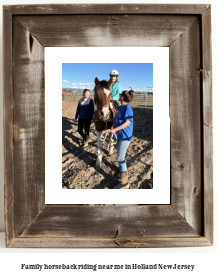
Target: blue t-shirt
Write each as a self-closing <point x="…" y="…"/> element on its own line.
<point x="124" y="113"/>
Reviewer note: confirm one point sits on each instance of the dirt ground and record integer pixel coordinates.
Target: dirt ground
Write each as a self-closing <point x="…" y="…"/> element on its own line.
<point x="78" y="165"/>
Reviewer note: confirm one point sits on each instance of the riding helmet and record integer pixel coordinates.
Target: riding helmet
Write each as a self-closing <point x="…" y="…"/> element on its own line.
<point x="114" y="73"/>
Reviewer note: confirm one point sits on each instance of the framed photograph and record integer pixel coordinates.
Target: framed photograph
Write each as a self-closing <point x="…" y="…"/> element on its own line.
<point x="182" y="146"/>
<point x="75" y="70"/>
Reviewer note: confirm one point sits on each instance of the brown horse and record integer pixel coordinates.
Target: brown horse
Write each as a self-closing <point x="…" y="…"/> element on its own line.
<point x="104" y="114"/>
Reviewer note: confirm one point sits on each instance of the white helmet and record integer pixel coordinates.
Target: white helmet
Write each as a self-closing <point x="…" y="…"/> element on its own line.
<point x="114" y="73"/>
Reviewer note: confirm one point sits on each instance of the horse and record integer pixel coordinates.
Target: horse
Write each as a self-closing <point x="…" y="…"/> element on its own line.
<point x="103" y="115"/>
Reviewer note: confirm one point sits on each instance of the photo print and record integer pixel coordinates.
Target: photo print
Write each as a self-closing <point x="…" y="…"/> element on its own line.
<point x="128" y="91"/>
<point x="93" y="157"/>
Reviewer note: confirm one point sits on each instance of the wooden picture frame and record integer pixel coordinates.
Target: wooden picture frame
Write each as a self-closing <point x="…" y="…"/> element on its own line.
<point x="186" y="30"/>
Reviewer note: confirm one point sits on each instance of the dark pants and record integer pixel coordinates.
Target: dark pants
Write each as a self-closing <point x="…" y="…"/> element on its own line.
<point x="84" y="124"/>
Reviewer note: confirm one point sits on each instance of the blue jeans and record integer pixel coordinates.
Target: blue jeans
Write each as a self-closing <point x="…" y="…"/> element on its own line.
<point x="122" y="146"/>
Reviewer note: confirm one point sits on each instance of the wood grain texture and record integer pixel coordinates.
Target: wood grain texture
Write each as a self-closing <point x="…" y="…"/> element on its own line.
<point x="207" y="67"/>
<point x="207" y="118"/>
<point x="107" y="30"/>
<point x="150" y="242"/>
<point x="109" y="221"/>
<point x="106" y="9"/>
<point x="186" y="29"/>
<point x="185" y="113"/>
<point x="29" y="130"/>
<point x="8" y="125"/>
<point x="208" y="183"/>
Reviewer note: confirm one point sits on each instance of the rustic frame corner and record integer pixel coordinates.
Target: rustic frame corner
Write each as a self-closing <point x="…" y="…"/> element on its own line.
<point x="188" y="220"/>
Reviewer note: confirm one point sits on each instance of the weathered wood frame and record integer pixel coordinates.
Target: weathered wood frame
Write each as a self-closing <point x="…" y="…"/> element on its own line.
<point x="188" y="220"/>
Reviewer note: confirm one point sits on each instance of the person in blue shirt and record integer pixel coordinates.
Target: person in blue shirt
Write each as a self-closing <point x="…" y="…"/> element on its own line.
<point x="123" y="127"/>
<point x="85" y="112"/>
<point x="115" y="88"/>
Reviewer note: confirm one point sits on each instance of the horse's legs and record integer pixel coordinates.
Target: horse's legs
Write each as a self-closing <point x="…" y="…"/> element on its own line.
<point x="99" y="149"/>
<point x="111" y="149"/>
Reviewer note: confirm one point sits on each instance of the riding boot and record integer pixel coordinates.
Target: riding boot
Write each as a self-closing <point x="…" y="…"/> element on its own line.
<point x="85" y="140"/>
<point x="124" y="181"/>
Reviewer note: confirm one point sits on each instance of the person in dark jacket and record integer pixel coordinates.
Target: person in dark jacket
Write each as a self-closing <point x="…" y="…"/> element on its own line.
<point x="85" y="112"/>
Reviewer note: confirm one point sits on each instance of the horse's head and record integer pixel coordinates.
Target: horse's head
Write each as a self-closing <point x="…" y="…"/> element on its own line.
<point x="102" y="98"/>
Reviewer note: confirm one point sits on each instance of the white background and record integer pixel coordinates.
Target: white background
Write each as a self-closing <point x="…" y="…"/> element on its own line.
<point x="205" y="258"/>
<point x="159" y="56"/>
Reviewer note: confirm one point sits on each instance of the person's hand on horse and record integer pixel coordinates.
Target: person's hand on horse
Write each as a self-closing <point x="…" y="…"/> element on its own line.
<point x="75" y="120"/>
<point x="113" y="130"/>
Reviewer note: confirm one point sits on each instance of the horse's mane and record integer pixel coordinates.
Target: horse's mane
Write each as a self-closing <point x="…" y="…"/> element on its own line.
<point x="103" y="84"/>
